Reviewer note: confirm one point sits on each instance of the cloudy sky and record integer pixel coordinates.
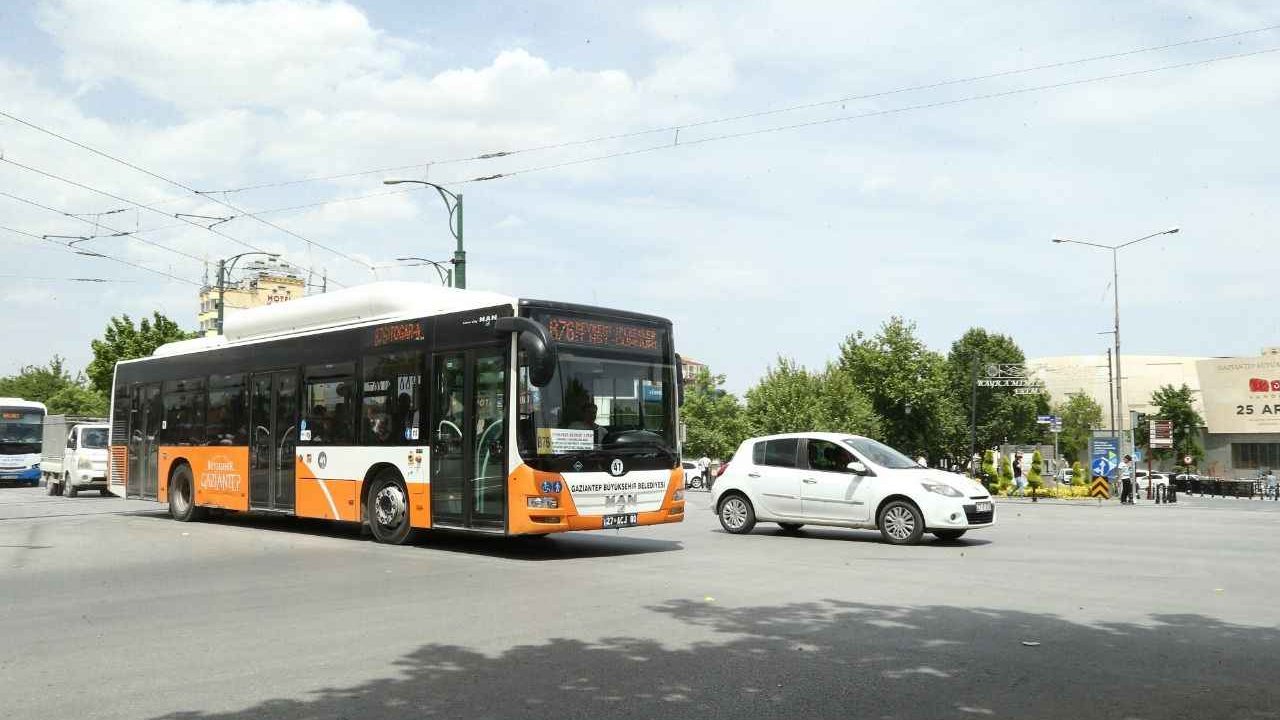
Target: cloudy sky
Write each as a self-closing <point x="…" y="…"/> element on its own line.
<point x="936" y="204"/>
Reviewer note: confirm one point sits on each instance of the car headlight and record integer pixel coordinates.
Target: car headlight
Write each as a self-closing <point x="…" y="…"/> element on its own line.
<point x="942" y="489"/>
<point x="84" y="463"/>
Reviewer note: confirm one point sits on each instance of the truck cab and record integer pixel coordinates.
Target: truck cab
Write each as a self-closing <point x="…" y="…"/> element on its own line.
<point x="82" y="464"/>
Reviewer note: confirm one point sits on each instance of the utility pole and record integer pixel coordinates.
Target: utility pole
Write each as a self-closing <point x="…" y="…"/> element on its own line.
<point x="460" y="255"/>
<point x="1110" y="393"/>
<point x="222" y="290"/>
<point x="1115" y="284"/>
<point x="973" y="418"/>
<point x="452" y="203"/>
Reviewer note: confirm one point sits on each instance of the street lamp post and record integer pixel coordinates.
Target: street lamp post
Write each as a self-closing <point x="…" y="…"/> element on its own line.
<point x="445" y="273"/>
<point x="453" y="203"/>
<point x="225" y="266"/>
<point x="1115" y="284"/>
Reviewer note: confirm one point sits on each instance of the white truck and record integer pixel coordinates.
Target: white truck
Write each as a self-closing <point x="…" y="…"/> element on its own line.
<point x="74" y="455"/>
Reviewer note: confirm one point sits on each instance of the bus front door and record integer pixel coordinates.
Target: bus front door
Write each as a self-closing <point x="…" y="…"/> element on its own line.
<point x="468" y="457"/>
<point x="146" y="413"/>
<point x="273" y="415"/>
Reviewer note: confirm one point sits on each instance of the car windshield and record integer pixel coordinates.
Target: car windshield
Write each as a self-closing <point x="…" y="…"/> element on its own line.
<point x="95" y="438"/>
<point x="880" y="454"/>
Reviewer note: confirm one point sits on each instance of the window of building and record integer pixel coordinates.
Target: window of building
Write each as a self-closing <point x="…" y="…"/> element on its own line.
<point x="227" y="417"/>
<point x="328" y="405"/>
<point x="1255" y="456"/>
<point x="391" y="399"/>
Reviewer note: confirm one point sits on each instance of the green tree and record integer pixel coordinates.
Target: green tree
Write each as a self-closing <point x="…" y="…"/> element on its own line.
<point x="1004" y="480"/>
<point x="907" y="385"/>
<point x="1078" y="475"/>
<point x="714" y="421"/>
<point x="55" y="386"/>
<point x="789" y="398"/>
<point x="1176" y="405"/>
<point x="122" y="340"/>
<point x="988" y="467"/>
<point x="1002" y="416"/>
<point x="1035" y="478"/>
<point x="1080" y="415"/>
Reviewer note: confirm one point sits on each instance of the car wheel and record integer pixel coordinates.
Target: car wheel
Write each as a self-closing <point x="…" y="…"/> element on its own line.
<point x="182" y="504"/>
<point x="948" y="535"/>
<point x="790" y="527"/>
<point x="736" y="515"/>
<point x="388" y="509"/>
<point x="67" y="488"/>
<point x="901" y="523"/>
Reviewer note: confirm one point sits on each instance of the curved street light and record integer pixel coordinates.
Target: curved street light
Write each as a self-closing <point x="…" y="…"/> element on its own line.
<point x="445" y="273"/>
<point x="453" y="203"/>
<point x="225" y="266"/>
<point x="1115" y="284"/>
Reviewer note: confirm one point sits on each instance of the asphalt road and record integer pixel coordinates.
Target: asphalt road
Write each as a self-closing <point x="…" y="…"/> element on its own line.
<point x="110" y="610"/>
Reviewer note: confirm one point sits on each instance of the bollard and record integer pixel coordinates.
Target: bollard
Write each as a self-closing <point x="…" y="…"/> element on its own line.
<point x="1159" y="494"/>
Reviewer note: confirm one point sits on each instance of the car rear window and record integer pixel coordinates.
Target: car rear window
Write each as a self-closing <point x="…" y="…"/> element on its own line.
<point x="778" y="453"/>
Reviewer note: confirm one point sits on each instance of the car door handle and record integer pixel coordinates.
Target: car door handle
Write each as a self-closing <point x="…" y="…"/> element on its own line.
<point x="810" y="481"/>
<point x="753" y="475"/>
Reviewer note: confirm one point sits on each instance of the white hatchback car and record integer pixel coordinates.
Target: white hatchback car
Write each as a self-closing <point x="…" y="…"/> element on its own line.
<point x="845" y="481"/>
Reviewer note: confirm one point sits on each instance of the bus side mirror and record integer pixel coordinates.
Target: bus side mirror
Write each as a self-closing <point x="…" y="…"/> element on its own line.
<point x="679" y="381"/>
<point x="536" y="342"/>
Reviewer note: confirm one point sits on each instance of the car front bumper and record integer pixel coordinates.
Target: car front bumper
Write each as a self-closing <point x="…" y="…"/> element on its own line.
<point x="26" y="475"/>
<point x="958" y="513"/>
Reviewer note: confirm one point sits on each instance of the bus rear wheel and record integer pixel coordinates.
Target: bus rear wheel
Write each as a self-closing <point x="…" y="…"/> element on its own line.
<point x="387" y="509"/>
<point x="182" y="504"/>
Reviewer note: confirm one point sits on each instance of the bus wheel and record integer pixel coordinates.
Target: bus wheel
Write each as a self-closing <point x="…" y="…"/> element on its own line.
<point x="388" y="509"/>
<point x="182" y="506"/>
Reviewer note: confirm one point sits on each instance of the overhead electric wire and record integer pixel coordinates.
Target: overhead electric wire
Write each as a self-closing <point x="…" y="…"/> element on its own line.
<point x="113" y="196"/>
<point x="65" y="279"/>
<point x="175" y="183"/>
<point x="847" y="118"/>
<point x="133" y="235"/>
<point x="104" y="256"/>
<point x="755" y="114"/>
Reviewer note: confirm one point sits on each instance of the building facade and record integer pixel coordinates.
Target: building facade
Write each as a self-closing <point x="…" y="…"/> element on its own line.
<point x="262" y="282"/>
<point x="1238" y="398"/>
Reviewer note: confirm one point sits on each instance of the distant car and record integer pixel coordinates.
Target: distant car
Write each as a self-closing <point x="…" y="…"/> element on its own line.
<point x="845" y="481"/>
<point x="1064" y="476"/>
<point x="692" y="476"/>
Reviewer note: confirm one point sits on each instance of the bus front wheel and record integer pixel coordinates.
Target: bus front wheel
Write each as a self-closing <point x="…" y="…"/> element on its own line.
<point x="387" y="509"/>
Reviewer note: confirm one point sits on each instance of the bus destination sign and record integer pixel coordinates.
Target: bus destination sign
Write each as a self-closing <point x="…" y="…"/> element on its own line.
<point x="600" y="333"/>
<point x="399" y="332"/>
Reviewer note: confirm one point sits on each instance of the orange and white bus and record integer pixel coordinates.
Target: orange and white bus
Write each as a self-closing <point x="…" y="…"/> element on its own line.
<point x="405" y="405"/>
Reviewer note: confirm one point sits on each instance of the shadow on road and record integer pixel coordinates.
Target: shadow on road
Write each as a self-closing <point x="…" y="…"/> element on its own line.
<point x="568" y="546"/>
<point x="831" y="660"/>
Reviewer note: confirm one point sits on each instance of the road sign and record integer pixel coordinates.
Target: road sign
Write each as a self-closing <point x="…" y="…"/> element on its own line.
<point x="1048" y="420"/>
<point x="1161" y="434"/>
<point x="1104" y="456"/>
<point x="1137" y="455"/>
<point x="1100" y="489"/>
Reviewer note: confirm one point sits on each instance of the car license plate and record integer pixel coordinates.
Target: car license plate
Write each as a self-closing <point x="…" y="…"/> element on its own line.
<point x="624" y="520"/>
<point x="984" y="507"/>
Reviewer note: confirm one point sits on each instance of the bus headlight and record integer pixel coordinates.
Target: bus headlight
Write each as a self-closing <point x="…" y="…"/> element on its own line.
<point x="677" y="496"/>
<point x="543" y="502"/>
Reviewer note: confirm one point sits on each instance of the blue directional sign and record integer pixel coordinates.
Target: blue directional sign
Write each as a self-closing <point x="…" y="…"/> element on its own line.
<point x="1104" y="456"/>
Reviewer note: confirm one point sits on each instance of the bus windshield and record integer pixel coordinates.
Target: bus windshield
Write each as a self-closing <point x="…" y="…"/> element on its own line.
<point x="20" y="431"/>
<point x="600" y="399"/>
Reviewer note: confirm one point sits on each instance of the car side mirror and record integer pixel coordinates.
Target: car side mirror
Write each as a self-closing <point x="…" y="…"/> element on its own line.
<point x="857" y="467"/>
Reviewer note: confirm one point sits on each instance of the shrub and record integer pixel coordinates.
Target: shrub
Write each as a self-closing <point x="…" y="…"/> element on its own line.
<point x="1034" y="478"/>
<point x="1077" y="475"/>
<point x="1004" y="480"/>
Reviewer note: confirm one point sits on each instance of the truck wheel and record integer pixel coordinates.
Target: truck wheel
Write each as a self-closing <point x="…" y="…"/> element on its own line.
<point x="52" y="486"/>
<point x="68" y="489"/>
<point x="105" y="492"/>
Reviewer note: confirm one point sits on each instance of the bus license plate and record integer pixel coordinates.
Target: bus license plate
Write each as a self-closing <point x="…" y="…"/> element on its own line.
<point x="984" y="507"/>
<point x="624" y="520"/>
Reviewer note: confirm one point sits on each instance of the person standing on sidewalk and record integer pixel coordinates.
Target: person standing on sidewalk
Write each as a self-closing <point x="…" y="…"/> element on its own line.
<point x="704" y="469"/>
<point x="1019" y="481"/>
<point x="1125" y="473"/>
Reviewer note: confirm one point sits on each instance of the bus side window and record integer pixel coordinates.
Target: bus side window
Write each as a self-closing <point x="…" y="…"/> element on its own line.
<point x="328" y="405"/>
<point x="226" y="421"/>
<point x="391" y="401"/>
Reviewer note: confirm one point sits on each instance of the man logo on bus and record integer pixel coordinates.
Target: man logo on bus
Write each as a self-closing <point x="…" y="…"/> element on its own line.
<point x="616" y="467"/>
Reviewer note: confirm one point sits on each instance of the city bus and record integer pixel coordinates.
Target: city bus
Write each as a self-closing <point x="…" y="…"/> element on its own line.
<point x="21" y="435"/>
<point x="410" y="406"/>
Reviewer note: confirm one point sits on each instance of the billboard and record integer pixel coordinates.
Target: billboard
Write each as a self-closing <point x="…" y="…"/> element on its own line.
<point x="1104" y="456"/>
<point x="1241" y="395"/>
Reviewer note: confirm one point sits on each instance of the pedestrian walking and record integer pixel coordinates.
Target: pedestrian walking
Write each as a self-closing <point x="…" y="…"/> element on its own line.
<point x="1019" y="480"/>
<point x="704" y="469"/>
<point x="1125" y="472"/>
